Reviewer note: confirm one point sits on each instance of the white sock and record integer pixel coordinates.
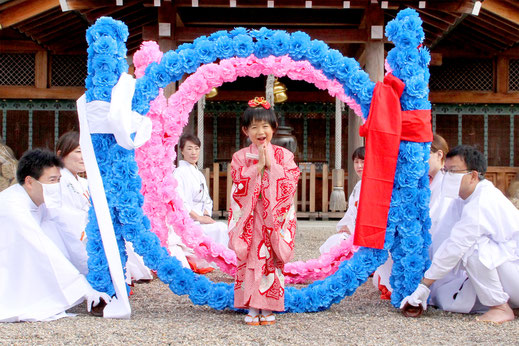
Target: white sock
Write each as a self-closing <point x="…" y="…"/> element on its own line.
<point x="253" y="312"/>
<point x="266" y="312"/>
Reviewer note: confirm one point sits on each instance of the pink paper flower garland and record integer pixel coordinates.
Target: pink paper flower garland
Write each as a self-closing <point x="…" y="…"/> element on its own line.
<point x="155" y="159"/>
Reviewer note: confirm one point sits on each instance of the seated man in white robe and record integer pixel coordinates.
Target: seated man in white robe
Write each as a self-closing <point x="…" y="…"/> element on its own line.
<point x="484" y="240"/>
<point x="37" y="281"/>
<point x="192" y="189"/>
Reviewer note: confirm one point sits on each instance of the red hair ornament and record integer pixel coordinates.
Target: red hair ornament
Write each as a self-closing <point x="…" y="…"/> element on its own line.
<point x="259" y="101"/>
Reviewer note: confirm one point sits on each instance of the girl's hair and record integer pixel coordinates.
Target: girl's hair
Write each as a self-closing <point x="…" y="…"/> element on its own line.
<point x="359" y="153"/>
<point x="259" y="113"/>
<point x="439" y="143"/>
<point x="188" y="137"/>
<point x="67" y="143"/>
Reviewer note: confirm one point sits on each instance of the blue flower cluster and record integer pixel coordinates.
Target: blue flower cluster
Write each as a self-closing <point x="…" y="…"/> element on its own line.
<point x="407" y="235"/>
<point x="409" y="60"/>
<point x="264" y="42"/>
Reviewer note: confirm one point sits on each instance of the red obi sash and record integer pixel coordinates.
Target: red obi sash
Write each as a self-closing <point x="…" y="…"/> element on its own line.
<point x="386" y="126"/>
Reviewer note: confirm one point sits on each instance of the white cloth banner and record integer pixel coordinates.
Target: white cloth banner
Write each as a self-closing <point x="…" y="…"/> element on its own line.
<point x="117" y="118"/>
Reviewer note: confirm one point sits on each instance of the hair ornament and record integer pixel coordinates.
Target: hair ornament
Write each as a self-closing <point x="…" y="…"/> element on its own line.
<point x="257" y="101"/>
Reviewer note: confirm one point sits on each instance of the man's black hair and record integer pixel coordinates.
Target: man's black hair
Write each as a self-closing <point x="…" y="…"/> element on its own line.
<point x="359" y="153"/>
<point x="34" y="161"/>
<point x="473" y="158"/>
<point x="259" y="113"/>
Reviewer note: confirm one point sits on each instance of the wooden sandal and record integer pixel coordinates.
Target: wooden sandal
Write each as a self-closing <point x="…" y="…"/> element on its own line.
<point x="252" y="320"/>
<point x="267" y="320"/>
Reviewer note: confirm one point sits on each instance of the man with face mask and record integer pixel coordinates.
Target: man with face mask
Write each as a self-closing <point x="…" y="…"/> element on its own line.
<point x="484" y="240"/>
<point x="37" y="281"/>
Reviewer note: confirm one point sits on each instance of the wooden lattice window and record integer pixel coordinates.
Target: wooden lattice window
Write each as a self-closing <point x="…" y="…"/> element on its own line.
<point x="69" y="70"/>
<point x="17" y="69"/>
<point x="463" y="74"/>
<point x="514" y="75"/>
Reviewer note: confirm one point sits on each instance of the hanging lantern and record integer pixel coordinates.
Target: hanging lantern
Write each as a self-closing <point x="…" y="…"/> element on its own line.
<point x="280" y="89"/>
<point x="211" y="93"/>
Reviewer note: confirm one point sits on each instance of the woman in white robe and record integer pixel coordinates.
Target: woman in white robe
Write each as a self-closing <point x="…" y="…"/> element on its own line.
<point x="192" y="189"/>
<point x="346" y="225"/>
<point x="74" y="211"/>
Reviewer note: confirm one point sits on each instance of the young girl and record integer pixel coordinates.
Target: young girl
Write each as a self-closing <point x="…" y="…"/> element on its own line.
<point x="262" y="220"/>
<point x="346" y="226"/>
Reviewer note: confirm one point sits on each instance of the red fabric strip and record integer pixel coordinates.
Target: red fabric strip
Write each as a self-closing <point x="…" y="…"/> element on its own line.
<point x="382" y="131"/>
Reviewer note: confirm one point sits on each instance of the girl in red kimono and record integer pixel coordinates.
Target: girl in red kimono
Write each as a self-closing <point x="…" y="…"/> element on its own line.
<point x="262" y="220"/>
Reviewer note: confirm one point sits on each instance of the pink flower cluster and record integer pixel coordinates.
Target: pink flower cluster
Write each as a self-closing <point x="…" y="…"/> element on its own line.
<point x="155" y="159"/>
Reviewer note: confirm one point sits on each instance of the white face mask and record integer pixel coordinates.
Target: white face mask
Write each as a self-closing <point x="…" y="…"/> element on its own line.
<point x="51" y="195"/>
<point x="451" y="184"/>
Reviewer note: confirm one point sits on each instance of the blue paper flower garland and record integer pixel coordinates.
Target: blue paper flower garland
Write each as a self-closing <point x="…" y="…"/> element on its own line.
<point x="407" y="235"/>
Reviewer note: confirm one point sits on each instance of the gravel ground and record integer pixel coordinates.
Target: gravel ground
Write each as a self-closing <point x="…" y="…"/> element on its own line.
<point x="160" y="317"/>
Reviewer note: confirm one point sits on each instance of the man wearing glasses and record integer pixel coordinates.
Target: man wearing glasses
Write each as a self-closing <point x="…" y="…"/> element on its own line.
<point x="484" y="240"/>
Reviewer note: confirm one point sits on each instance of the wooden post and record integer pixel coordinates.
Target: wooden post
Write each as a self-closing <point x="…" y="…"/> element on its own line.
<point x="354" y="141"/>
<point x="338" y="184"/>
<point x="216" y="187"/>
<point x="325" y="191"/>
<point x="312" y="190"/>
<point x="374" y="52"/>
<point x="229" y="186"/>
<point x="303" y="190"/>
<point x="207" y="176"/>
<point x="167" y="18"/>
<point x="41" y="69"/>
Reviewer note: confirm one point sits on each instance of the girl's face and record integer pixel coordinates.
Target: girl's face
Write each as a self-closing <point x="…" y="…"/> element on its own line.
<point x="358" y="166"/>
<point x="435" y="162"/>
<point x="259" y="132"/>
<point x="191" y="152"/>
<point x="74" y="161"/>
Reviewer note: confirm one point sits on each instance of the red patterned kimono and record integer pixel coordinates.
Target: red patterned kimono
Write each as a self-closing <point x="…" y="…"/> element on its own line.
<point x="262" y="225"/>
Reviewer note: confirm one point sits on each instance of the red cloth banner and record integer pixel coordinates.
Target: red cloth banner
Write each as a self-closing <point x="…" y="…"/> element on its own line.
<point x="386" y="126"/>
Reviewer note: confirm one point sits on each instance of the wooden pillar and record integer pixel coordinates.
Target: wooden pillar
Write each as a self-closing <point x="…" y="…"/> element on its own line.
<point x="374" y="53"/>
<point x="167" y="17"/>
<point x="354" y="141"/>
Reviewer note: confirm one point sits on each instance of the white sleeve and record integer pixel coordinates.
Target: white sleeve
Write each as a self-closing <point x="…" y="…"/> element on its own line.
<point x="350" y="217"/>
<point x="183" y="189"/>
<point x="208" y="202"/>
<point x="464" y="234"/>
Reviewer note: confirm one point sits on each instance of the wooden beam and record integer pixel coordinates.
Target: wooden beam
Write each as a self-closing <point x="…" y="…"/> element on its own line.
<point x="502" y="9"/>
<point x="464" y="6"/>
<point x="479" y="97"/>
<point x="19" y="46"/>
<point x="25" y="10"/>
<point x="320" y="4"/>
<point x="293" y="96"/>
<point x="188" y="34"/>
<point x="31" y="92"/>
<point x="74" y="5"/>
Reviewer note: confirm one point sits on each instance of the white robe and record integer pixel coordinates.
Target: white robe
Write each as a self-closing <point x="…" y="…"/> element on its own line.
<point x="74" y="216"/>
<point x="484" y="236"/>
<point x="37" y="282"/>
<point x="348" y="220"/>
<point x="192" y="189"/>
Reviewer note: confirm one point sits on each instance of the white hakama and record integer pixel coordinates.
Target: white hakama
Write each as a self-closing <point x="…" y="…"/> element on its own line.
<point x="484" y="242"/>
<point x="37" y="282"/>
<point x="347" y="220"/>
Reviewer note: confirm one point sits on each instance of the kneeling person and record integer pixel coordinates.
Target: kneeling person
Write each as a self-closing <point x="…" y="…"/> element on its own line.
<point x="37" y="281"/>
<point x="484" y="240"/>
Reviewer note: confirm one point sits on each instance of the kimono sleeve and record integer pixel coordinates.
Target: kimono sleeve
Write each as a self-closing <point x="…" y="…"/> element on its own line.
<point x="244" y="196"/>
<point x="279" y="187"/>
<point x="183" y="189"/>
